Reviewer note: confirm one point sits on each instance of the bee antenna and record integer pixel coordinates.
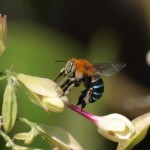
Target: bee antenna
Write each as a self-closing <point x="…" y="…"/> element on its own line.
<point x="60" y="61"/>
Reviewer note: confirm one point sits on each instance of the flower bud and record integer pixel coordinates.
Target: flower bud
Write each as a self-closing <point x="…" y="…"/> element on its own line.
<point x="3" y="33"/>
<point x="142" y="124"/>
<point x="115" y="127"/>
<point x="54" y="104"/>
<point x="43" y="92"/>
<point x="9" y="108"/>
<point x="27" y="137"/>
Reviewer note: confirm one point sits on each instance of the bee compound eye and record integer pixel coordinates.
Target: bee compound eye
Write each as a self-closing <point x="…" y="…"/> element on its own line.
<point x="69" y="66"/>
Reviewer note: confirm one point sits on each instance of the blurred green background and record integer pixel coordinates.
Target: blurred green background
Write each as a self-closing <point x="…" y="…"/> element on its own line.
<point x="100" y="31"/>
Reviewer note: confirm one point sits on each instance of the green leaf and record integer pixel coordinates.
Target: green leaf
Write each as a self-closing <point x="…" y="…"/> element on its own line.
<point x="9" y="108"/>
<point x="142" y="125"/>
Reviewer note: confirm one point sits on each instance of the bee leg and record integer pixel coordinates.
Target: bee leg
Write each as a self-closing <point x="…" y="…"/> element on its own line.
<point x="81" y="98"/>
<point x="85" y="97"/>
<point x="62" y="71"/>
<point x="77" y="83"/>
<point x="81" y="101"/>
<point x="83" y="105"/>
<point x="69" y="87"/>
<point x="64" y="83"/>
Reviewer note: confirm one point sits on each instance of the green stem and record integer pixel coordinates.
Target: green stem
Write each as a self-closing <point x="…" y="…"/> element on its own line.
<point x="32" y="125"/>
<point x="7" y="139"/>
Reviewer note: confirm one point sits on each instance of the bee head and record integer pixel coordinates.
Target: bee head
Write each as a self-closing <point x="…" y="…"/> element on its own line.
<point x="70" y="68"/>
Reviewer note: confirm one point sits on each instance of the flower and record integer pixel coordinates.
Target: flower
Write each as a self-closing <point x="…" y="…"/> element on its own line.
<point x="142" y="124"/>
<point x="3" y="33"/>
<point x="114" y="127"/>
<point x="55" y="136"/>
<point x="43" y="92"/>
<point x="9" y="107"/>
<point x="27" y="137"/>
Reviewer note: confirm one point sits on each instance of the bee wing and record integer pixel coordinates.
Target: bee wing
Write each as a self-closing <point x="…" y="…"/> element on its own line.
<point x="108" y="69"/>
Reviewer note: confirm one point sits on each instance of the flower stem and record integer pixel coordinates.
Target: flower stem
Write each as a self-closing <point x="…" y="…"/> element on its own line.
<point x="83" y="113"/>
<point x="6" y="138"/>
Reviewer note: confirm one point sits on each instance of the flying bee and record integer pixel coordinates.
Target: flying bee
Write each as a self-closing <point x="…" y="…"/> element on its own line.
<point x="77" y="71"/>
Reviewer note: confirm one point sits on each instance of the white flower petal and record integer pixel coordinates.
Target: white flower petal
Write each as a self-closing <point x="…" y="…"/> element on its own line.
<point x="53" y="104"/>
<point x="48" y="92"/>
<point x="115" y="127"/>
<point x="41" y="86"/>
<point x="142" y="124"/>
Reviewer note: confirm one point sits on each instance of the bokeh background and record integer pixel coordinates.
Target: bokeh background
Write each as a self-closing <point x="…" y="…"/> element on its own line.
<point x="41" y="32"/>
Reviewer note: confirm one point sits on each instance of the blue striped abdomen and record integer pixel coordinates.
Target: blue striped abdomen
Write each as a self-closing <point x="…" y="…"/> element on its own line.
<point x="94" y="90"/>
<point x="98" y="89"/>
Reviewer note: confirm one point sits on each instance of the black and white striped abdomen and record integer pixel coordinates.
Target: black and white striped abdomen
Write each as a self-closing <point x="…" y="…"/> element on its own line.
<point x="98" y="89"/>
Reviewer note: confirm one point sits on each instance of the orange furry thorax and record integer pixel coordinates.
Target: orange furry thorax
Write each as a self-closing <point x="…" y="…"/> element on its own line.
<point x="83" y="66"/>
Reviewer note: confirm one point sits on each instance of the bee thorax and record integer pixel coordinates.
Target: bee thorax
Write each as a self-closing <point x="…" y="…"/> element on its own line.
<point x="78" y="75"/>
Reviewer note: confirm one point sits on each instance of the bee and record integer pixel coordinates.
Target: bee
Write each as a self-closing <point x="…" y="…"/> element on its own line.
<point x="77" y="71"/>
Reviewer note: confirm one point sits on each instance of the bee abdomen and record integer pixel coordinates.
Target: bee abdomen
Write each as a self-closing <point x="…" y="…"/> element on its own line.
<point x="98" y="89"/>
